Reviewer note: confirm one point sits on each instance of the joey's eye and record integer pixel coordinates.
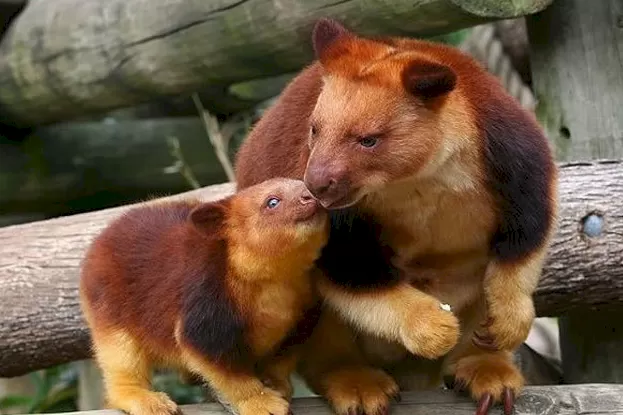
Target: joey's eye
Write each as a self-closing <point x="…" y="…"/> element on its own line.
<point x="272" y="202"/>
<point x="313" y="130"/>
<point x="369" y="141"/>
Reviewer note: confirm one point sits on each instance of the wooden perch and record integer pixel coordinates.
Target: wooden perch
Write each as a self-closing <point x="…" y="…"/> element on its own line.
<point x="41" y="324"/>
<point x="588" y="399"/>
<point x="118" y="53"/>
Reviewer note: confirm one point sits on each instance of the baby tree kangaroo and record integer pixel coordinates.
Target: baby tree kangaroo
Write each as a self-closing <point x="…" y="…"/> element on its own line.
<point x="219" y="289"/>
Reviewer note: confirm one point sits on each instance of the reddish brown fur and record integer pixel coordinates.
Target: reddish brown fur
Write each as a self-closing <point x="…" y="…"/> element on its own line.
<point x="209" y="288"/>
<point x="457" y="194"/>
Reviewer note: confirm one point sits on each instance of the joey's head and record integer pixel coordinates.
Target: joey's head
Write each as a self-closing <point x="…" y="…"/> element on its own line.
<point x="379" y="117"/>
<point x="278" y="217"/>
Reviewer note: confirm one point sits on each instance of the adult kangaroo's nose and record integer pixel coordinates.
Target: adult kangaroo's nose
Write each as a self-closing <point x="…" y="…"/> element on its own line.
<point x="328" y="185"/>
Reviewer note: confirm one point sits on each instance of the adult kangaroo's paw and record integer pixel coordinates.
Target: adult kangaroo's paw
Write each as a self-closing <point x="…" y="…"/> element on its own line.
<point x="490" y="379"/>
<point x="359" y="390"/>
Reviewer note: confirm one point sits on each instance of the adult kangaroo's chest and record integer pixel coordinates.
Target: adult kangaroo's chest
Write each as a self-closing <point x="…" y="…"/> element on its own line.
<point x="440" y="237"/>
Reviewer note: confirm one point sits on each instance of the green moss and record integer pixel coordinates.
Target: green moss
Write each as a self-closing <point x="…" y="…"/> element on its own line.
<point x="502" y="8"/>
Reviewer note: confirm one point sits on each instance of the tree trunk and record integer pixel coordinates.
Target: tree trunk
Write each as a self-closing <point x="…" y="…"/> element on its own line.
<point x="118" y="53"/>
<point x="578" y="77"/>
<point x="41" y="325"/>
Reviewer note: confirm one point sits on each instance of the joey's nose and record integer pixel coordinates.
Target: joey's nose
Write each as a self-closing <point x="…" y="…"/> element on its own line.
<point x="307" y="198"/>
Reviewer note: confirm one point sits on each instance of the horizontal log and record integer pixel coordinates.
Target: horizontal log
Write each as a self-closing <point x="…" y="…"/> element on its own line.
<point x="41" y="325"/>
<point x="118" y="53"/>
<point x="71" y="167"/>
<point x="587" y="399"/>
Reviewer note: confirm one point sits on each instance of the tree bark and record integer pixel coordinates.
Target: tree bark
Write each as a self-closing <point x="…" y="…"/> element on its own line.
<point x="118" y="53"/>
<point x="576" y="49"/>
<point x="40" y="320"/>
<point x="578" y="79"/>
<point x="41" y="323"/>
<point x="591" y="399"/>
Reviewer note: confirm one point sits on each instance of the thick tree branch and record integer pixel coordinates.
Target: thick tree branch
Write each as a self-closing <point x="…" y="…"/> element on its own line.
<point x="118" y="53"/>
<point x="591" y="399"/>
<point x="41" y="325"/>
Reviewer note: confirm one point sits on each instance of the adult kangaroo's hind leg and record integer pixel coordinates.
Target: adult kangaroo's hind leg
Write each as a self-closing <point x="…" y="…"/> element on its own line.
<point x="332" y="365"/>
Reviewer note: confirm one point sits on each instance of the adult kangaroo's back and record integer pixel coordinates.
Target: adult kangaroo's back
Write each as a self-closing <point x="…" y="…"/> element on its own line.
<point x="277" y="145"/>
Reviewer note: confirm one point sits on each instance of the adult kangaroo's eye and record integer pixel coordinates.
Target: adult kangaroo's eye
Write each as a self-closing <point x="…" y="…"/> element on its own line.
<point x="272" y="202"/>
<point x="369" y="141"/>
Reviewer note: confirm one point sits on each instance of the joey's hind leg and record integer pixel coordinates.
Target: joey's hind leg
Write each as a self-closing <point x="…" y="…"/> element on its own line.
<point x="332" y="365"/>
<point x="244" y="392"/>
<point x="127" y="372"/>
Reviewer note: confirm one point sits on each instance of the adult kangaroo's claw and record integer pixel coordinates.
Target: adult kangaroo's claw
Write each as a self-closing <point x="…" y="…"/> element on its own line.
<point x="484" y="404"/>
<point x="509" y="401"/>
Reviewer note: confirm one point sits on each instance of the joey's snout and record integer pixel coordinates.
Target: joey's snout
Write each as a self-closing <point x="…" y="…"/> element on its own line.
<point x="307" y="198"/>
<point x="308" y="206"/>
<point x="329" y="185"/>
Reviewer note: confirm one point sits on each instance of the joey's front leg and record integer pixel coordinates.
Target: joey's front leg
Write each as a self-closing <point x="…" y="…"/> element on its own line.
<point x="276" y="374"/>
<point x="244" y="392"/>
<point x="508" y="289"/>
<point x="400" y="313"/>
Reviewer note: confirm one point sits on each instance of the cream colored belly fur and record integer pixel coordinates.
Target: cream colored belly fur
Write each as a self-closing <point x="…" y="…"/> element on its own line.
<point x="440" y="235"/>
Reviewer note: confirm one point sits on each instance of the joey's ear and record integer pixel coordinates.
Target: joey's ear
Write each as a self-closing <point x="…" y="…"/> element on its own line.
<point x="428" y="79"/>
<point x="208" y="217"/>
<point x="326" y="31"/>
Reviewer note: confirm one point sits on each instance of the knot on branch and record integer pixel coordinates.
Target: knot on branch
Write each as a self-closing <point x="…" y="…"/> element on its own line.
<point x="592" y="224"/>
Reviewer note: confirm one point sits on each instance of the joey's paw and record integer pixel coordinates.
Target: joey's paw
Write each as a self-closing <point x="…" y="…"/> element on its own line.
<point x="432" y="331"/>
<point x="146" y="403"/>
<point x="282" y="386"/>
<point x="506" y="328"/>
<point x="268" y="402"/>
<point x="360" y="391"/>
<point x="490" y="379"/>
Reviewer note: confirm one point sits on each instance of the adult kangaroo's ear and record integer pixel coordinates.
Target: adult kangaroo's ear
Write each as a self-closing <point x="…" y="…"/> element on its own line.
<point x="428" y="79"/>
<point x="325" y="33"/>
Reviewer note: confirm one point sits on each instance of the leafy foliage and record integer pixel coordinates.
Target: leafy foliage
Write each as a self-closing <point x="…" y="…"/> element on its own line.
<point x="55" y="390"/>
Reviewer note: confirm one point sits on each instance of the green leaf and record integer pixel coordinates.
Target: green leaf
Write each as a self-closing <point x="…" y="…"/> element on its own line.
<point x="11" y="401"/>
<point x="452" y="38"/>
<point x="59" y="399"/>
